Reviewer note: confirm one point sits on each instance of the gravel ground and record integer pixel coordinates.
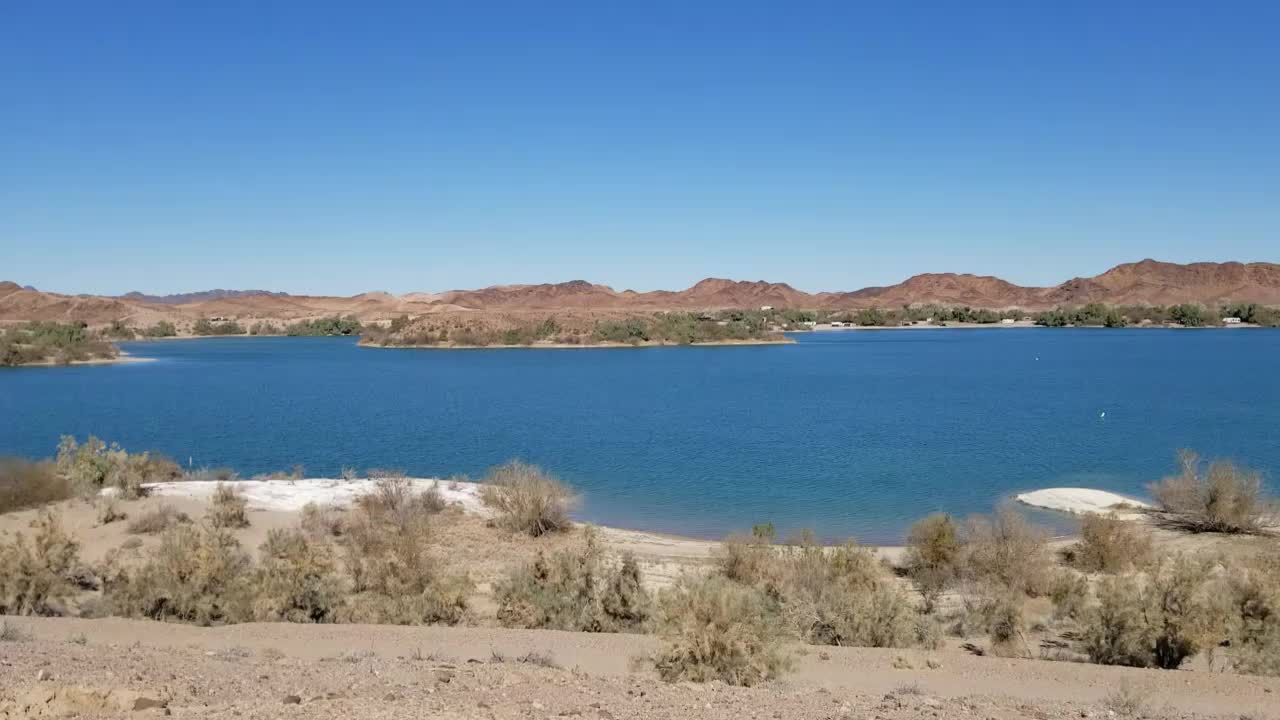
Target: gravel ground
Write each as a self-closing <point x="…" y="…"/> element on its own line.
<point x="112" y="667"/>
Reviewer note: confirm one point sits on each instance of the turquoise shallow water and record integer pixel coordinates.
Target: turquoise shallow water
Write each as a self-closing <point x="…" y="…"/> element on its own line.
<point x="852" y="434"/>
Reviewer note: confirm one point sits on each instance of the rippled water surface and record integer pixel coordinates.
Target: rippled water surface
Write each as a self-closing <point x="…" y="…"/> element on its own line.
<point x="849" y="433"/>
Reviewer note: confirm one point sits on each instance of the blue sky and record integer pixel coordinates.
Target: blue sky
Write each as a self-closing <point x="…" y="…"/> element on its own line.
<point x="318" y="147"/>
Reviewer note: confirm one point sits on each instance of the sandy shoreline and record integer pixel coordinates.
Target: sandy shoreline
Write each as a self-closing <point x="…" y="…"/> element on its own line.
<point x="1082" y="501"/>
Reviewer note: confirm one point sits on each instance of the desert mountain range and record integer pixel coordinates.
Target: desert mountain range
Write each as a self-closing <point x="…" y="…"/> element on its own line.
<point x="1148" y="282"/>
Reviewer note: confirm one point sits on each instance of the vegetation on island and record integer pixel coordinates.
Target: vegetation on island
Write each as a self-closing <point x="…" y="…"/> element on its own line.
<point x="1090" y="315"/>
<point x="206" y="327"/>
<point x="1116" y="597"/>
<point x="584" y="329"/>
<point x="48" y="342"/>
<point x="324" y="326"/>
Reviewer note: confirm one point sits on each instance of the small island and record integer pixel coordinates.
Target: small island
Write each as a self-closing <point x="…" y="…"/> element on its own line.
<point x="54" y="343"/>
<point x="573" y="329"/>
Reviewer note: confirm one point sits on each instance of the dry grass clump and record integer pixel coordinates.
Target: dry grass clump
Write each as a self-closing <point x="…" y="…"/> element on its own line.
<point x="1156" y="618"/>
<point x="157" y="521"/>
<point x="36" y="576"/>
<point x="95" y="466"/>
<point x="528" y="500"/>
<point x="1110" y="545"/>
<point x="296" y="580"/>
<point x="1219" y="498"/>
<point x="716" y="629"/>
<point x="26" y="484"/>
<point x="933" y="557"/>
<point x="227" y="508"/>
<point x="323" y="521"/>
<point x="1004" y="552"/>
<point x="394" y="579"/>
<point x="575" y="589"/>
<point x="197" y="574"/>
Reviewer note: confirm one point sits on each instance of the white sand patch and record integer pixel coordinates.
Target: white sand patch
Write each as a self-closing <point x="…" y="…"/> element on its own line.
<point x="293" y="495"/>
<point x="1081" y="501"/>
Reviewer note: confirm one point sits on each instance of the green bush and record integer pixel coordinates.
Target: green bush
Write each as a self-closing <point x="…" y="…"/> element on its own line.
<point x="324" y="326"/>
<point x="204" y="326"/>
<point x="161" y="329"/>
<point x="715" y="629"/>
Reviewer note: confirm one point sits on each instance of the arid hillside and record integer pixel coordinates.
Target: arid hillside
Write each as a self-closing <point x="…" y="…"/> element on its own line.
<point x="1148" y="282"/>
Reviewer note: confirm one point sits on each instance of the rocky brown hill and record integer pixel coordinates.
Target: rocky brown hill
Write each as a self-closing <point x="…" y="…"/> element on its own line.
<point x="1148" y="282"/>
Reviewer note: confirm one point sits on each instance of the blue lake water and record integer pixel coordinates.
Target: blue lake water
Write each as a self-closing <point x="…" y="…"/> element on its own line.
<point x="848" y="433"/>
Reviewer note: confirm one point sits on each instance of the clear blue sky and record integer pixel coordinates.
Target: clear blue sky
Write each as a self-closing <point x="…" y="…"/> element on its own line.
<point x="317" y="147"/>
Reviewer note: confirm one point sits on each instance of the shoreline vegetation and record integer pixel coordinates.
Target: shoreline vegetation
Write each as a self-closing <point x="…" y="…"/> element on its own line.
<point x="45" y="343"/>
<point x="100" y="531"/>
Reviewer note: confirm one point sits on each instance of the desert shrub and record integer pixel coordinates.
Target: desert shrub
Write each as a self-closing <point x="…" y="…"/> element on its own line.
<point x="1125" y="701"/>
<point x="1069" y="592"/>
<point x="1157" y="618"/>
<point x="843" y="596"/>
<point x="1006" y="625"/>
<point x="932" y="558"/>
<point x="1109" y="544"/>
<point x="157" y="520"/>
<point x="527" y="499"/>
<point x="323" y="521"/>
<point x="747" y="559"/>
<point x="715" y="629"/>
<point x="162" y="328"/>
<point x="394" y="580"/>
<point x="227" y="507"/>
<point x="196" y="574"/>
<point x="827" y="596"/>
<point x="1254" y="592"/>
<point x="1219" y="498"/>
<point x="1004" y="551"/>
<point x="109" y="511"/>
<point x="575" y="589"/>
<point x="296" y="579"/>
<point x="26" y="484"/>
<point x="95" y="466"/>
<point x="36" y="575"/>
<point x="394" y="499"/>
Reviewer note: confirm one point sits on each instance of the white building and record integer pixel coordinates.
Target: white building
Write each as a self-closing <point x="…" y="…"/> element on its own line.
<point x="1230" y="321"/>
<point x="766" y="308"/>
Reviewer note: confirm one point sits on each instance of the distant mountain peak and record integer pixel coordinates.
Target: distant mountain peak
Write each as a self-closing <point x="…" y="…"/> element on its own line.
<point x="195" y="297"/>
